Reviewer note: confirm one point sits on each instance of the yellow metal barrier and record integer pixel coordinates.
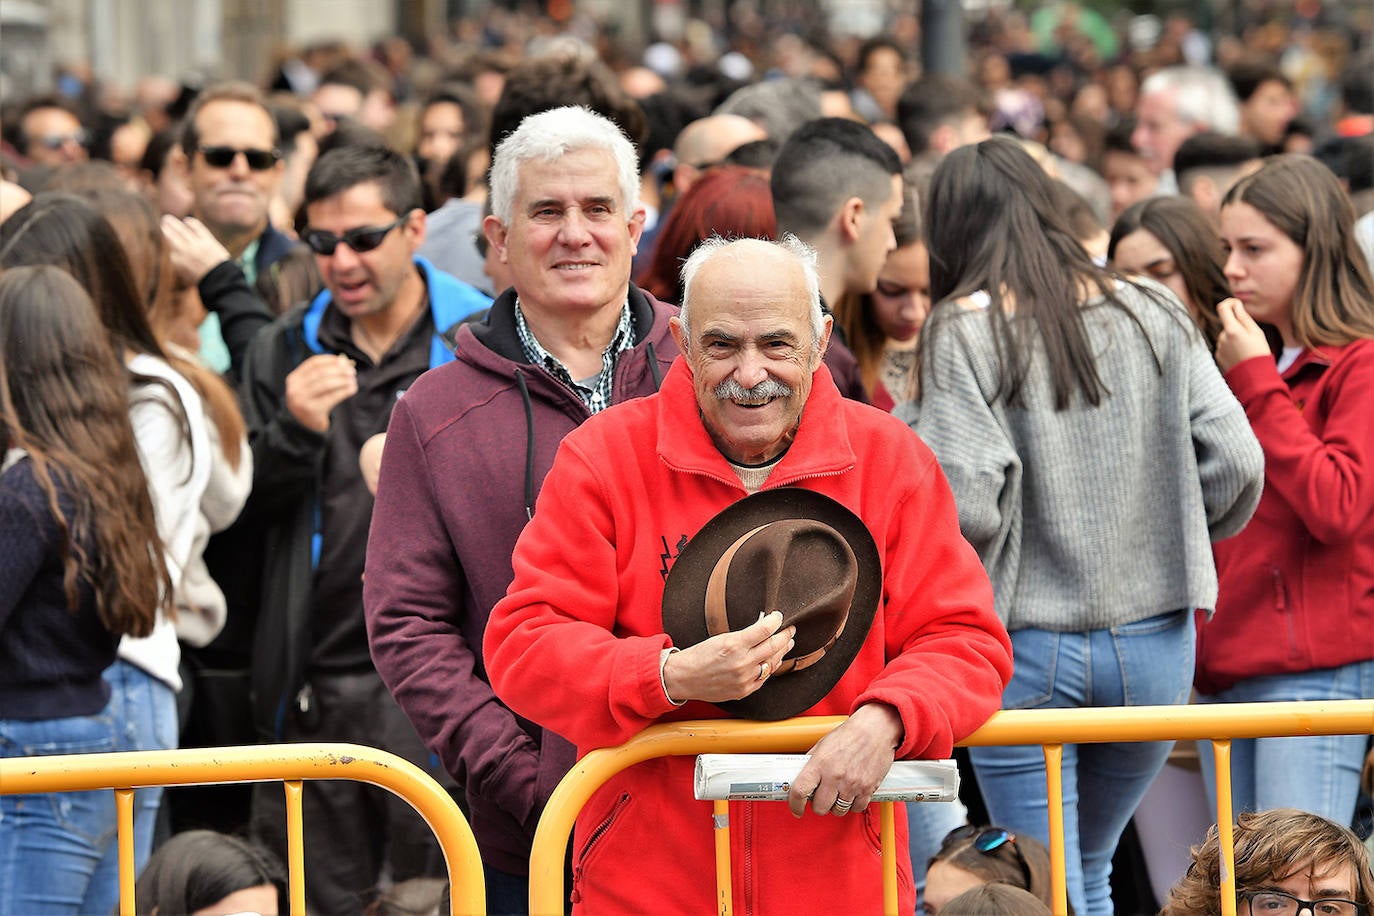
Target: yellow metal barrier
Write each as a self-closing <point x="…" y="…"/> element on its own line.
<point x="1051" y="728"/>
<point x="290" y="763"/>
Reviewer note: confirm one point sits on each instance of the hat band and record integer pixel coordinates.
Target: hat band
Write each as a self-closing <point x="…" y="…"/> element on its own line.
<point x="718" y="620"/>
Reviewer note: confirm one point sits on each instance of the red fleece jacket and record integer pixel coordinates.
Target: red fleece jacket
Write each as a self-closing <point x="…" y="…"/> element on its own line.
<point x="575" y="644"/>
<point x="1297" y="584"/>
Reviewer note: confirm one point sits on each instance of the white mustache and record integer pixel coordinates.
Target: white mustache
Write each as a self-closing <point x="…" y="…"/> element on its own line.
<point x="731" y="390"/>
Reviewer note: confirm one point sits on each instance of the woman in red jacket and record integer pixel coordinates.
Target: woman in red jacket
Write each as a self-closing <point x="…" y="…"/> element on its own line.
<point x="1295" y="617"/>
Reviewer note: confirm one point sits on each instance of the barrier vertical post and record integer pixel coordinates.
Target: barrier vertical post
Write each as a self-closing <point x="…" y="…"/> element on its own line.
<point x="1221" y="752"/>
<point x="295" y="847"/>
<point x="1054" y="779"/>
<point x="721" y="821"/>
<point x="124" y="820"/>
<point x="888" y="835"/>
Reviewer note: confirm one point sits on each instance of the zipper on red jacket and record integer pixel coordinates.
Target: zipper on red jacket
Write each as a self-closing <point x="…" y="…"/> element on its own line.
<point x="748" y="864"/>
<point x="1281" y="602"/>
<point x="592" y="840"/>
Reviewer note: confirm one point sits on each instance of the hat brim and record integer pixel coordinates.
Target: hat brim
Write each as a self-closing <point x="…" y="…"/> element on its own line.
<point x="684" y="617"/>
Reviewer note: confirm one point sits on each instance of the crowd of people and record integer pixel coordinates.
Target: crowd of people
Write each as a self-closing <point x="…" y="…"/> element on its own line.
<point x="489" y="404"/>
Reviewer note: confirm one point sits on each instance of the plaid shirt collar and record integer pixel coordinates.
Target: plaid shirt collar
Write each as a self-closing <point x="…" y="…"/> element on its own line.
<point x="598" y="396"/>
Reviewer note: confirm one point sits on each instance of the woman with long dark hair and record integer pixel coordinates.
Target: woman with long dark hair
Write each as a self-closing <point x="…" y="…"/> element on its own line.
<point x="1094" y="453"/>
<point x="1170" y="240"/>
<point x="1296" y="615"/>
<point x="83" y="566"/>
<point x="173" y="446"/>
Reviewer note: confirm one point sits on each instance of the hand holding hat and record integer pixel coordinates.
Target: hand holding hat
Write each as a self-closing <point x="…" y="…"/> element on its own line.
<point x="729" y="666"/>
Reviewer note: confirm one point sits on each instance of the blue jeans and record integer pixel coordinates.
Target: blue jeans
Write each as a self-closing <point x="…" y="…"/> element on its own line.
<point x="1319" y="774"/>
<point x="51" y="844"/>
<point x="145" y="715"/>
<point x="1146" y="663"/>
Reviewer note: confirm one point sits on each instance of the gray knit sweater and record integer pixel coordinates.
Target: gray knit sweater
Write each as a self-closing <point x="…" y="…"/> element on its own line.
<point x="1089" y="518"/>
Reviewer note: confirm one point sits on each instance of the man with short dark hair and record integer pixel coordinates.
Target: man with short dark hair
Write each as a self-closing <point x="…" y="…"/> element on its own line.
<point x="939" y="113"/>
<point x="469" y="445"/>
<point x="50" y="132"/>
<point x="1207" y="164"/>
<point x="229" y="154"/>
<point x="317" y="384"/>
<point x="613" y="623"/>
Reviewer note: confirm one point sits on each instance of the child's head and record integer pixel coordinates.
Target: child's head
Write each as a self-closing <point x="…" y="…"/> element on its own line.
<point x="200" y="869"/>
<point x="970" y="857"/>
<point x="1284" y="850"/>
<point x="996" y="900"/>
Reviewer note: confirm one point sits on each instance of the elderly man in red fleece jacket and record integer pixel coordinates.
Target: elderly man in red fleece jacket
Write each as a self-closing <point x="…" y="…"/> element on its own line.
<point x="578" y="644"/>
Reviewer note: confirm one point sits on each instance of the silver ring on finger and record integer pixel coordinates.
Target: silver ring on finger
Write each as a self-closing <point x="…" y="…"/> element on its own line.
<point x="842" y="805"/>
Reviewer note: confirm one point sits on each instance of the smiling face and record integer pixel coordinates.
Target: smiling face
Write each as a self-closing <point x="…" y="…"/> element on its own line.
<point x="366" y="283"/>
<point x="232" y="201"/>
<point x="750" y="350"/>
<point x="1263" y="266"/>
<point x="570" y="240"/>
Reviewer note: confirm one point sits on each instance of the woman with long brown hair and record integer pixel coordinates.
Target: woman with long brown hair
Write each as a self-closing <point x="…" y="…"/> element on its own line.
<point x="173" y="444"/>
<point x="83" y="566"/>
<point x="1295" y="620"/>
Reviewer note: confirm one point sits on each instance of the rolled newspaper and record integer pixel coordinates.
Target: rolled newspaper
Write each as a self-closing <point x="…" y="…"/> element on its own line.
<point x="768" y="777"/>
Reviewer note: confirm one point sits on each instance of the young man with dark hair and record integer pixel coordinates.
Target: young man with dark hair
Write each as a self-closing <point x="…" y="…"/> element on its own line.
<point x="1207" y="164"/>
<point x="317" y="384"/>
<point x="939" y="113"/>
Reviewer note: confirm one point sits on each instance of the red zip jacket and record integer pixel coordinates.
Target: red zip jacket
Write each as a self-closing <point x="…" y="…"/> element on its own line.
<point x="575" y="645"/>
<point x="1297" y="584"/>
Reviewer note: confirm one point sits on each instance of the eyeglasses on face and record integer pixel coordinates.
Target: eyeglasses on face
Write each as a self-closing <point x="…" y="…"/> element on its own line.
<point x="1277" y="903"/>
<point x="362" y="239"/>
<point x="221" y="157"/>
<point x="987" y="841"/>
<point x="57" y="141"/>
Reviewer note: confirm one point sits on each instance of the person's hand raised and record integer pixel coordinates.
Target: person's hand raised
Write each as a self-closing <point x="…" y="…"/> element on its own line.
<point x="1241" y="338"/>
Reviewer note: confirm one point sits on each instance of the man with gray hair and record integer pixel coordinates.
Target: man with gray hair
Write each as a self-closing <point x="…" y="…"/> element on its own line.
<point x="610" y="626"/>
<point x="468" y="447"/>
<point x="1174" y="104"/>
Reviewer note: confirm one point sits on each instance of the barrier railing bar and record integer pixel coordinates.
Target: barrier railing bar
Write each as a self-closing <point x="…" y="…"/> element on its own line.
<point x="1038" y="726"/>
<point x="124" y="821"/>
<point x="269" y="763"/>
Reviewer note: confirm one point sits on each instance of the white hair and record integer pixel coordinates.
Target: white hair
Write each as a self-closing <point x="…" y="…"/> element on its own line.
<point x="745" y="250"/>
<point x="557" y="132"/>
<point x="1204" y="96"/>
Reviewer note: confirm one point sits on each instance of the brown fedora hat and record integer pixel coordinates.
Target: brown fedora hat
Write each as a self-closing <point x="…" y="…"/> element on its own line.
<point x="791" y="550"/>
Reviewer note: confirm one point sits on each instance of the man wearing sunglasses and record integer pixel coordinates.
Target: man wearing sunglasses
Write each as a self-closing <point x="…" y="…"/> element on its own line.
<point x="228" y="153"/>
<point x="317" y="384"/>
<point x="468" y="448"/>
<point x="50" y="133"/>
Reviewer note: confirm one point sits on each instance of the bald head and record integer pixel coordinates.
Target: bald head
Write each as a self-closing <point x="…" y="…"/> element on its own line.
<point x="706" y="142"/>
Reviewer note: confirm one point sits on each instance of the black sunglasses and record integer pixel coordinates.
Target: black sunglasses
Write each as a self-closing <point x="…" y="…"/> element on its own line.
<point x="362" y="239"/>
<point x="988" y="841"/>
<point x="57" y="141"/>
<point x="221" y="157"/>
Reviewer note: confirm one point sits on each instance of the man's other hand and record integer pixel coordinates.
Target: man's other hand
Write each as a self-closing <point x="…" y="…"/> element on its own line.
<point x="847" y="765"/>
